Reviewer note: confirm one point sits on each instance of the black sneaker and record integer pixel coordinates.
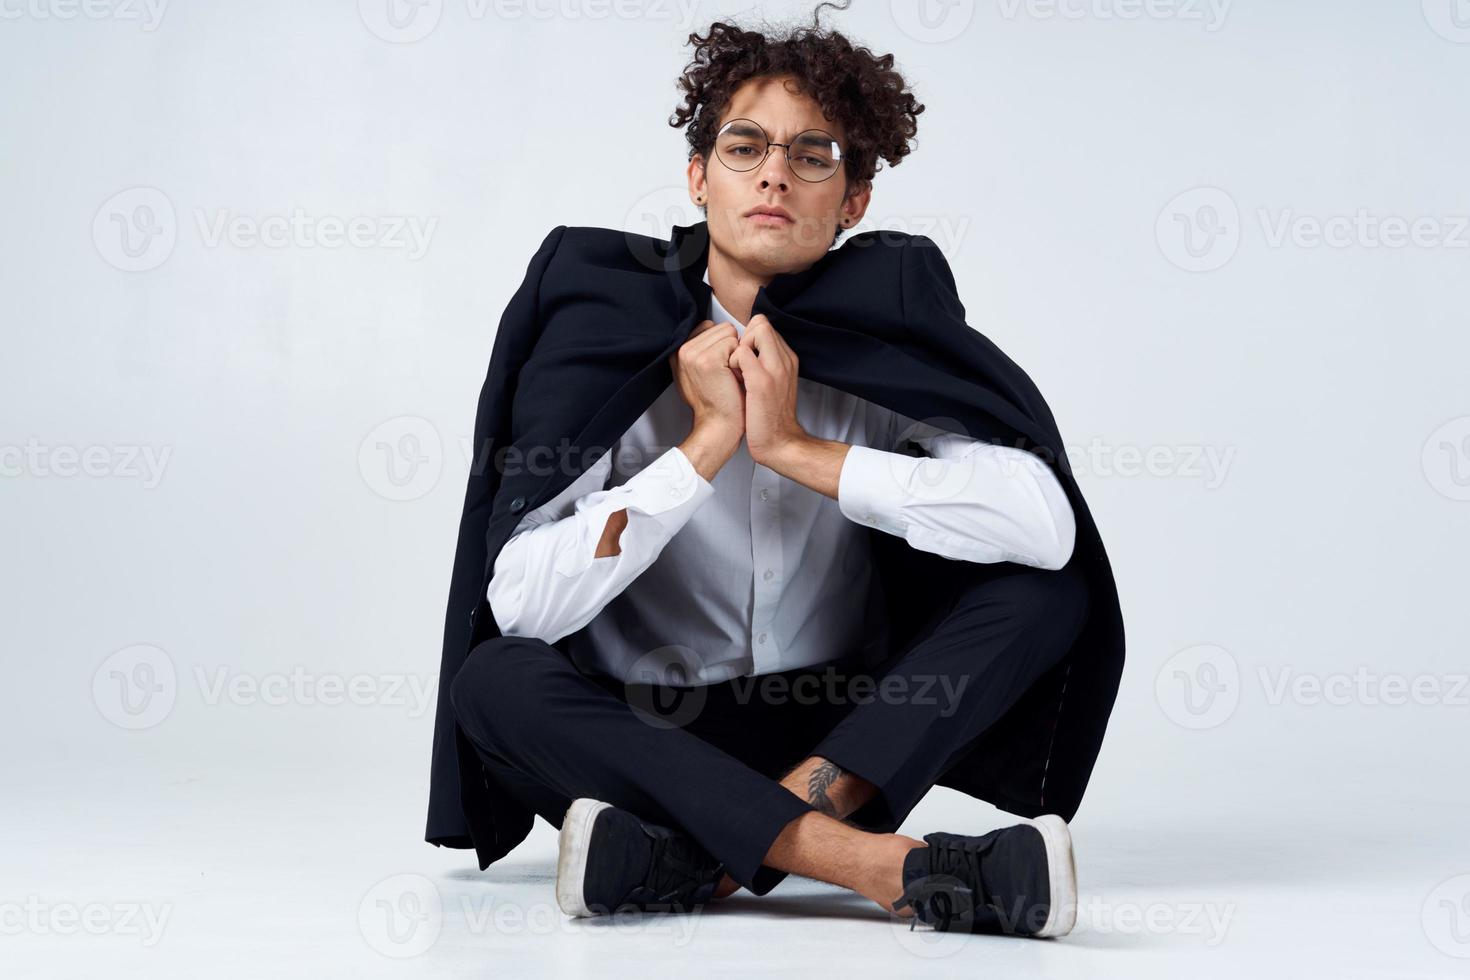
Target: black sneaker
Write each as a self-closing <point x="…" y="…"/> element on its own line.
<point x="1018" y="880"/>
<point x="611" y="860"/>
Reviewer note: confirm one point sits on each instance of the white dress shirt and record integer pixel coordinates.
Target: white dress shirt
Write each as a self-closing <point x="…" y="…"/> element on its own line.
<point x="753" y="573"/>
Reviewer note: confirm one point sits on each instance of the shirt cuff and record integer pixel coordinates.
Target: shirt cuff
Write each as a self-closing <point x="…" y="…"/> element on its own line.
<point x="667" y="492"/>
<point x="872" y="487"/>
<point x="669" y="489"/>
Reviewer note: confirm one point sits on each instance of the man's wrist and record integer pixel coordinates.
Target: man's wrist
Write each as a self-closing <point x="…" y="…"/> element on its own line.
<point x="814" y="463"/>
<point x="710" y="446"/>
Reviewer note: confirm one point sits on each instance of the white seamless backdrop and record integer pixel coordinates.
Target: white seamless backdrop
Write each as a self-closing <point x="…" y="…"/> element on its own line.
<point x="252" y="262"/>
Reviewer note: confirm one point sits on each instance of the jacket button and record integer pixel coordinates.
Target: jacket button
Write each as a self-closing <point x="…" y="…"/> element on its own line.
<point x="517" y="505"/>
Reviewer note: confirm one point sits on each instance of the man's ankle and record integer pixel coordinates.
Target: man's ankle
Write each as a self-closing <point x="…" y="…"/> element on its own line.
<point x="884" y="880"/>
<point x="727" y="886"/>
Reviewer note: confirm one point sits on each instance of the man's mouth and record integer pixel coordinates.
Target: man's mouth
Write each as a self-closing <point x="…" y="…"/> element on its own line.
<point x="769" y="218"/>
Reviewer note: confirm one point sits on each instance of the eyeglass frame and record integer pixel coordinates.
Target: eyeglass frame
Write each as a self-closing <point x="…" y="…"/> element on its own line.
<point x="785" y="150"/>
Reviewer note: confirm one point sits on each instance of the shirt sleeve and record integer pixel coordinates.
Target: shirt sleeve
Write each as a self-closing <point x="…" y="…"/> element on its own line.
<point x="967" y="500"/>
<point x="548" y="583"/>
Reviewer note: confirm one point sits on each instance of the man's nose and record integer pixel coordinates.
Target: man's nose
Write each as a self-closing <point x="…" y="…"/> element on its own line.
<point x="775" y="171"/>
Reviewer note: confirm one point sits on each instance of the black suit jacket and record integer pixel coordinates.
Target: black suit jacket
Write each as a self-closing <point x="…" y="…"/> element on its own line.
<point x="582" y="351"/>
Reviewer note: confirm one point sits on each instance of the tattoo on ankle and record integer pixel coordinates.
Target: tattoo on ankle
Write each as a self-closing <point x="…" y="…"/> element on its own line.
<point x="817" y="785"/>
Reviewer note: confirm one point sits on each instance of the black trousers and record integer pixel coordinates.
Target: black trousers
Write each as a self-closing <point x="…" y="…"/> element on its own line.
<point x="708" y="759"/>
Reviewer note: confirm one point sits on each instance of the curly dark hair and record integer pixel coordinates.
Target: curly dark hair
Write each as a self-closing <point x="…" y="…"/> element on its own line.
<point x="859" y="89"/>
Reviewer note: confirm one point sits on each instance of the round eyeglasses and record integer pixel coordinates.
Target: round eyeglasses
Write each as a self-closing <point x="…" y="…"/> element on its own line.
<point x="742" y="145"/>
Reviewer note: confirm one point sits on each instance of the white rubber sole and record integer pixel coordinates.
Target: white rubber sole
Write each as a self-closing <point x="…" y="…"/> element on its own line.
<point x="1061" y="875"/>
<point x="571" y="862"/>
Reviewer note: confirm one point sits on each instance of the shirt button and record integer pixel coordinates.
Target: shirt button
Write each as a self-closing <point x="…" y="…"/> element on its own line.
<point x="769" y="575"/>
<point x="761" y="638"/>
<point x="517" y="505"/>
<point x="765" y="495"/>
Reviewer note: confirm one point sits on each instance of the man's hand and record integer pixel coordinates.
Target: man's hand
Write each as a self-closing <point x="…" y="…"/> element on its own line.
<point x="767" y="367"/>
<point x="702" y="371"/>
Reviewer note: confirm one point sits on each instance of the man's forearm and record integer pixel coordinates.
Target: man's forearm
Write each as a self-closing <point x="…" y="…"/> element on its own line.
<point x="812" y="462"/>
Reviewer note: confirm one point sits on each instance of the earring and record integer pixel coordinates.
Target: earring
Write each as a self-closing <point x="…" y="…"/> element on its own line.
<point x="699" y="199"/>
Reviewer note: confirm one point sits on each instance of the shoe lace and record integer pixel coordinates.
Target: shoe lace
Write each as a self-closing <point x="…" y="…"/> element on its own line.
<point x="681" y="872"/>
<point x="942" y="897"/>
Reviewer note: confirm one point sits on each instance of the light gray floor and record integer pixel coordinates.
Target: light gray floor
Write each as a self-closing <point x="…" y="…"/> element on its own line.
<point x="309" y="869"/>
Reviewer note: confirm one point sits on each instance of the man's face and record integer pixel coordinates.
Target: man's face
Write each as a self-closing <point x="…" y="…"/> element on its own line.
<point x="764" y="246"/>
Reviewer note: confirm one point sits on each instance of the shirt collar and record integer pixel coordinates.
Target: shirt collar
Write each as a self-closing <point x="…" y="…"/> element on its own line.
<point x="718" y="313"/>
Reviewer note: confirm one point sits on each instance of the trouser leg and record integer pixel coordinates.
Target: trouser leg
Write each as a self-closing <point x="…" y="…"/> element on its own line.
<point x="929" y="702"/>
<point x="523" y="704"/>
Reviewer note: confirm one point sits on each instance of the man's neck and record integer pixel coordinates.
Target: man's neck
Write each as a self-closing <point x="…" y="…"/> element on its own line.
<point x="733" y="286"/>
